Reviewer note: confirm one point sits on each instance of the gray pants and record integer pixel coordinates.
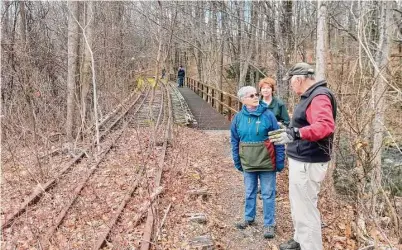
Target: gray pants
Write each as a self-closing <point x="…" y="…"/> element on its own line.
<point x="304" y="186"/>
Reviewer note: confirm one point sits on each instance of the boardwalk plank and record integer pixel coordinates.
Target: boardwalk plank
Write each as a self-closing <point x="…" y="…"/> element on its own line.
<point x="207" y="117"/>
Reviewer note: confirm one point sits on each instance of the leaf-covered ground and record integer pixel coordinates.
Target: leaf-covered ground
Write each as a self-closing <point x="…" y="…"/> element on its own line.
<point x="202" y="160"/>
<point x="196" y="161"/>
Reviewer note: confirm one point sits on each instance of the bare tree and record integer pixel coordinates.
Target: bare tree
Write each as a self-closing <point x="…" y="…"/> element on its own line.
<point x="86" y="72"/>
<point x="72" y="69"/>
<point x="321" y="35"/>
<point x="378" y="99"/>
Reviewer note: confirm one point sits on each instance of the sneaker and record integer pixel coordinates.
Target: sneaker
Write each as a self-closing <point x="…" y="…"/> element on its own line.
<point x="269" y="232"/>
<point x="290" y="245"/>
<point x="244" y="224"/>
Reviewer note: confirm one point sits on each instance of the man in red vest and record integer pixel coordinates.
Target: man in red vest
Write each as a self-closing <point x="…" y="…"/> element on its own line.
<point x="309" y="140"/>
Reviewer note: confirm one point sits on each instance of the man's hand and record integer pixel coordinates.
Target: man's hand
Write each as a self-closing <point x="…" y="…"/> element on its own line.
<point x="283" y="136"/>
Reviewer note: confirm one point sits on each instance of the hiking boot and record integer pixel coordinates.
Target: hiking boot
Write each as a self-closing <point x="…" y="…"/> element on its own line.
<point x="290" y="245"/>
<point x="269" y="232"/>
<point x="244" y="224"/>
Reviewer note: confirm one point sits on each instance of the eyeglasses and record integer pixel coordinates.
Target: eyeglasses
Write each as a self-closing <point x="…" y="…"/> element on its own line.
<point x="253" y="95"/>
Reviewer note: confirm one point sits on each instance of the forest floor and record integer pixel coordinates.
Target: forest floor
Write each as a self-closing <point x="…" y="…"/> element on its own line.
<point x="197" y="161"/>
<point x="203" y="162"/>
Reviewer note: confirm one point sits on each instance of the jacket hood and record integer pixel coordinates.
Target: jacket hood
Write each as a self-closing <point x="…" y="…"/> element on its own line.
<point x="258" y="112"/>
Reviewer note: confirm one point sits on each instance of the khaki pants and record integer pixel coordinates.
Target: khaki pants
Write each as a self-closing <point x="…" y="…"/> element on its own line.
<point x="304" y="186"/>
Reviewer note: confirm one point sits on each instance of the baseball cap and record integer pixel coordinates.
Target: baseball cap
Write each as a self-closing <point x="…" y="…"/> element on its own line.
<point x="299" y="69"/>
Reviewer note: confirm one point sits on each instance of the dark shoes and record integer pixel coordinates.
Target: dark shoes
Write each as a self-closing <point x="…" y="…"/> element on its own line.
<point x="269" y="232"/>
<point x="244" y="224"/>
<point x="290" y="245"/>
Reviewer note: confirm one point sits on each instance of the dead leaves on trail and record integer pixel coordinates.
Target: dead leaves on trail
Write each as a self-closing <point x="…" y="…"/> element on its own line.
<point x="206" y="195"/>
<point x="201" y="163"/>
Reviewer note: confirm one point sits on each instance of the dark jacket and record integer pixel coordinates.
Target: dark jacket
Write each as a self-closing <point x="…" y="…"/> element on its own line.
<point x="279" y="109"/>
<point x="307" y="151"/>
<point x="181" y="73"/>
<point x="253" y="127"/>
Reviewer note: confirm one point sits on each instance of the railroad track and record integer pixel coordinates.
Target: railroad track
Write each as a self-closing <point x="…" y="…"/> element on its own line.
<point x="105" y="127"/>
<point x="53" y="208"/>
<point x="138" y="207"/>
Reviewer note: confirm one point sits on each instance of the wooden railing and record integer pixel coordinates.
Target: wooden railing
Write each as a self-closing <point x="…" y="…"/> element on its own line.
<point x="225" y="103"/>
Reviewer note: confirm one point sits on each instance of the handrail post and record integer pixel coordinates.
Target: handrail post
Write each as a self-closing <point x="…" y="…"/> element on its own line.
<point x="212" y="98"/>
<point x="220" y="102"/>
<point x="229" y="105"/>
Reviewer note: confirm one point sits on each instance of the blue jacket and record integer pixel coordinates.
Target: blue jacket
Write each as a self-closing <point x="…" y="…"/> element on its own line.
<point x="254" y="127"/>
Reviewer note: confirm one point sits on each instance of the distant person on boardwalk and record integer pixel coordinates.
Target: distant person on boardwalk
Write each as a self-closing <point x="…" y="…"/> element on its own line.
<point x="256" y="157"/>
<point x="309" y="139"/>
<point x="267" y="87"/>
<point x="163" y="73"/>
<point x="180" y="76"/>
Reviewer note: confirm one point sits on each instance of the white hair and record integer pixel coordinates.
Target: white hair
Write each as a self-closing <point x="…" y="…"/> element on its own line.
<point x="243" y="91"/>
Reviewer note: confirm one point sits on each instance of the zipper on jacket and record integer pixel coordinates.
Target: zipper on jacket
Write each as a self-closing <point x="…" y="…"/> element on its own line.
<point x="258" y="124"/>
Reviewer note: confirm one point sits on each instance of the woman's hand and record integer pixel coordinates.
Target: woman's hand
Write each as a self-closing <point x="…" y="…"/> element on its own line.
<point x="239" y="168"/>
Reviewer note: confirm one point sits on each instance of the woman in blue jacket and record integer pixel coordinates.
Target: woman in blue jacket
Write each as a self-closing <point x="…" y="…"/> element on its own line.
<point x="249" y="134"/>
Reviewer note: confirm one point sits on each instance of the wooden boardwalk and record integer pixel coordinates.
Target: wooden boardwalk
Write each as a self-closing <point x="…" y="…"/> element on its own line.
<point x="207" y="117"/>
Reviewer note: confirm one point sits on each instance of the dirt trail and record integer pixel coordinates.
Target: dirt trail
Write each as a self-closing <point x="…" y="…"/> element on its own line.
<point x="213" y="169"/>
<point x="201" y="160"/>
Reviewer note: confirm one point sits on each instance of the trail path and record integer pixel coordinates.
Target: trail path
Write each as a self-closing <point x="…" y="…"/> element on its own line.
<point x="201" y="160"/>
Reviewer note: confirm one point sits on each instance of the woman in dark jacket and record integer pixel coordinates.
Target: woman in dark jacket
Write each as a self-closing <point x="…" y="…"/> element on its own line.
<point x="275" y="104"/>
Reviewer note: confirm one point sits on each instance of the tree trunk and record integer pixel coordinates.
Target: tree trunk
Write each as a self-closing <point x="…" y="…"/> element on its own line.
<point x="247" y="49"/>
<point x="283" y="86"/>
<point x="23" y="23"/>
<point x="287" y="8"/>
<point x="378" y="95"/>
<point x="86" y="75"/>
<point x="72" y="68"/>
<point x="222" y="48"/>
<point x="158" y="62"/>
<point x="320" y="49"/>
